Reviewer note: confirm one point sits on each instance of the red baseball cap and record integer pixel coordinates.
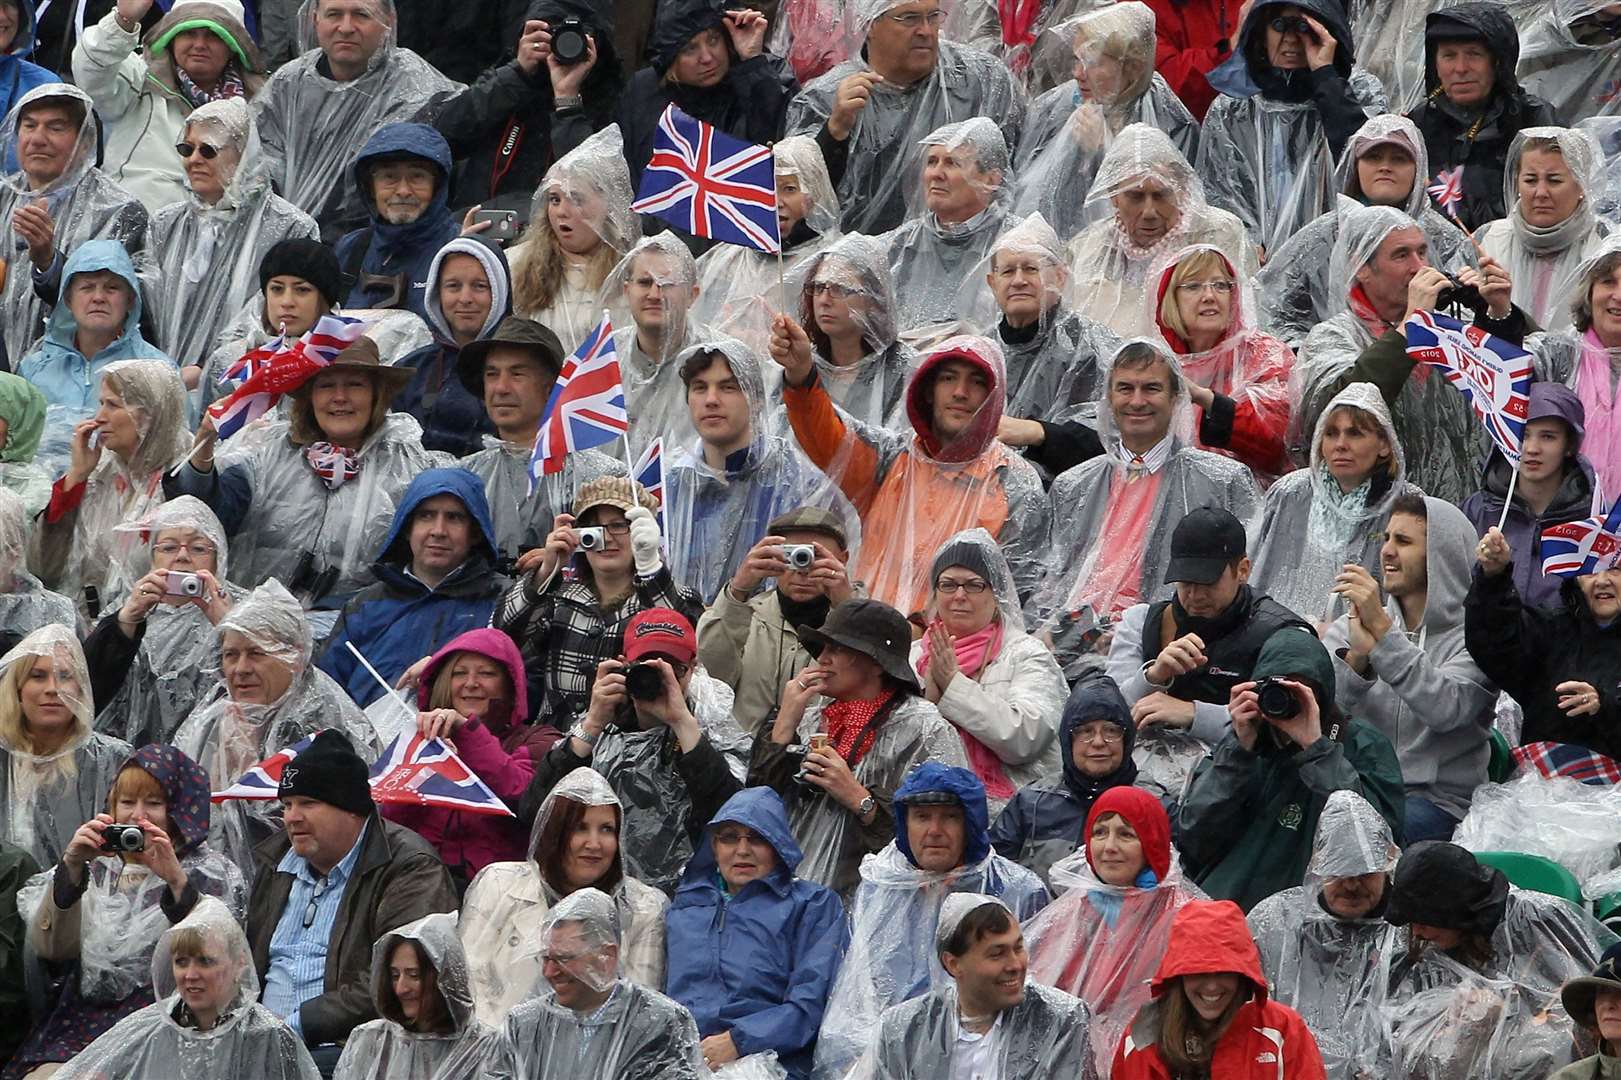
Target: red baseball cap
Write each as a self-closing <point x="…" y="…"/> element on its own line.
<point x="661" y="631"/>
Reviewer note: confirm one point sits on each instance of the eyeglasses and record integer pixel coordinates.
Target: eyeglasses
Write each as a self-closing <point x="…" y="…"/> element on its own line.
<point x="974" y="587"/>
<point x="833" y="289"/>
<point x="1196" y="288"/>
<point x="614" y="528"/>
<point x="1109" y="735"/>
<point x="734" y="837"/>
<point x="186" y="150"/>
<point x="198" y="550"/>
<point x="1283" y="24"/>
<point x="914" y="19"/>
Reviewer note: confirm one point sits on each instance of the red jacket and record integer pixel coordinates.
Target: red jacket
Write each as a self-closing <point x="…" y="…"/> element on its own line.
<point x="1266" y="1041"/>
<point x="1193" y="36"/>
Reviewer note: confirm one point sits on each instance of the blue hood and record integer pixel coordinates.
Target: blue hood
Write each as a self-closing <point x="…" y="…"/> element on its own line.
<point x="757" y="808"/>
<point x="1096" y="698"/>
<point x="933" y="776"/>
<point x="22" y="46"/>
<point x="87" y="258"/>
<point x="458" y="482"/>
<point x="398" y="140"/>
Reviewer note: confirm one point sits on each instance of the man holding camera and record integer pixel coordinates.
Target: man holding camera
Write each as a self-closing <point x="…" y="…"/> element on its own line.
<point x="661" y="732"/>
<point x="750" y="641"/>
<point x="1246" y="823"/>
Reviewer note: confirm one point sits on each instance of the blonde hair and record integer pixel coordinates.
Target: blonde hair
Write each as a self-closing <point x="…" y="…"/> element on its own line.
<point x="440" y="693"/>
<point x="1203" y="261"/>
<point x="537" y="267"/>
<point x="14" y="726"/>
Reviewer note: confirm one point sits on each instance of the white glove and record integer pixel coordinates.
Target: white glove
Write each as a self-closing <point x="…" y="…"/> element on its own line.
<point x="644" y="541"/>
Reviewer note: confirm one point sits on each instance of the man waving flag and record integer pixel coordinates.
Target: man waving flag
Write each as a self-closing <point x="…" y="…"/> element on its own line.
<point x="710" y="184"/>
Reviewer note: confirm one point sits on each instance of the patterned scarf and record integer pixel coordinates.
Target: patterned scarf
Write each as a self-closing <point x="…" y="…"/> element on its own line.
<point x="333" y="464"/>
<point x="845" y="720"/>
<point x="230" y="85"/>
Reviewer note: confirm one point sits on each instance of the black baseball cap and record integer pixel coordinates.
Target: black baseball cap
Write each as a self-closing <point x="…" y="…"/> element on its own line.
<point x="1205" y="542"/>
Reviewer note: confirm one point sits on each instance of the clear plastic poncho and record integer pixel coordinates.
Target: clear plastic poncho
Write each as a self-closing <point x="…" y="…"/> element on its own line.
<point x="1311" y="527"/>
<point x="523" y="519"/>
<point x="385" y="1049"/>
<point x="161" y="1042"/>
<point x="848" y="287"/>
<point x="885" y="146"/>
<point x="1293" y="285"/>
<point x="46" y="797"/>
<point x="1570" y="57"/>
<point x="1146" y="179"/>
<point x="737" y="293"/>
<point x="1389" y="36"/>
<point x="227" y="737"/>
<point x="311" y="126"/>
<point x="1067" y="130"/>
<point x="637" y="1033"/>
<point x="77" y="549"/>
<point x="1555" y="817"/>
<point x="25" y="604"/>
<point x="930" y="259"/>
<point x="1107" y="560"/>
<point x="1606" y="199"/>
<point x="177" y="665"/>
<point x="1334" y="971"/>
<point x="201" y="262"/>
<point x="507" y="904"/>
<point x="1434" y="425"/>
<point x="714" y="514"/>
<point x="84" y="203"/>
<point x="1542" y="260"/>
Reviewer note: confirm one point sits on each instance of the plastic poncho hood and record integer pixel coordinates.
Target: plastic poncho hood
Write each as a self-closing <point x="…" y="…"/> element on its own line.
<point x="933" y="777"/>
<point x="1382" y="129"/>
<point x="460" y="484"/>
<point x="434" y="936"/>
<point x="86" y="152"/>
<point x="1475" y="20"/>
<point x="980" y="431"/>
<point x="1352" y="839"/>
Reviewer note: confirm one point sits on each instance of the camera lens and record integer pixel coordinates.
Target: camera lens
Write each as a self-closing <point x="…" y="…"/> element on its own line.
<point x="1276" y="700"/>
<point x="568" y="41"/>
<point x="644" y="682"/>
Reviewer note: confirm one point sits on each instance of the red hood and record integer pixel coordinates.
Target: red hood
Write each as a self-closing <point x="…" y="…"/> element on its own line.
<point x="1210" y="936"/>
<point x="486" y="642"/>
<point x="1147" y="819"/>
<point x="981" y="430"/>
<point x="1172" y="338"/>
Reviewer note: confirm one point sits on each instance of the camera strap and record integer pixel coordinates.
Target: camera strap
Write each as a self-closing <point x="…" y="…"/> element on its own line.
<point x="506" y="153"/>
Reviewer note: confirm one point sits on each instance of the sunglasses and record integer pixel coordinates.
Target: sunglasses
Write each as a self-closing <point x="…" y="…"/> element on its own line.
<point x="186" y="150"/>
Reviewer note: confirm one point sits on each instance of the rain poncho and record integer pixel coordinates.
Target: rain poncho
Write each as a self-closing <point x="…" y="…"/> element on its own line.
<point x="1583" y="362"/>
<point x="1542" y="261"/>
<point x="1311" y="526"/>
<point x="1246" y="369"/>
<point x="636" y="1034"/>
<point x="714" y="516"/>
<point x="227" y="738"/>
<point x="312" y="125"/>
<point x="1270" y="141"/>
<point x="1389" y="36"/>
<point x="885" y="151"/>
<point x="1293" y="287"/>
<point x="914" y="490"/>
<point x="756" y="962"/>
<point x="1109" y="271"/>
<point x="84" y="203"/>
<point x="1443" y="441"/>
<point x="201" y="262"/>
<point x="523" y="520"/>
<point x="929" y="259"/>
<point x="896" y="912"/>
<point x="1104" y="942"/>
<point x="387" y="1049"/>
<point x="507" y="903"/>
<point x="175" y="664"/>
<point x="869" y="389"/>
<point x="77" y="549"/>
<point x="1067" y="130"/>
<point x="1111" y="539"/>
<point x="162" y="1042"/>
<point x="1570" y="57"/>
<point x="47" y="797"/>
<point x="1333" y="971"/>
<point x="25" y="604"/>
<point x="22" y="409"/>
<point x="735" y="295"/>
<point x="281" y="515"/>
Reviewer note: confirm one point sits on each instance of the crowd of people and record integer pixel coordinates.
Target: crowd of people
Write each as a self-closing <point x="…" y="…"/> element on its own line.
<point x="1063" y="634"/>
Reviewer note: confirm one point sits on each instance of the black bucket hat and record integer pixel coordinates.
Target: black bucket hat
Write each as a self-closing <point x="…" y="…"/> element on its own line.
<point x="1441" y="884"/>
<point x="514" y="331"/>
<point x="872" y="628"/>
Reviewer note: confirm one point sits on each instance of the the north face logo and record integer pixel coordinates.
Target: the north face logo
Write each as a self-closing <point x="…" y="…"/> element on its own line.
<point x="1266" y="1057"/>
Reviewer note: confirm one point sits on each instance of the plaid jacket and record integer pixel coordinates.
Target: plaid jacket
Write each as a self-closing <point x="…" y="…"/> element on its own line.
<point x="564" y="633"/>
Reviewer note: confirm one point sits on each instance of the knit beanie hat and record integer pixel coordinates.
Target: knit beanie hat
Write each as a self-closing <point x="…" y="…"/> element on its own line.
<point x="328" y="770"/>
<point x="308" y="259"/>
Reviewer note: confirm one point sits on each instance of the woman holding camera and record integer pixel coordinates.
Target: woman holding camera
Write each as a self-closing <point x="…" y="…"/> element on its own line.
<point x="129" y="873"/>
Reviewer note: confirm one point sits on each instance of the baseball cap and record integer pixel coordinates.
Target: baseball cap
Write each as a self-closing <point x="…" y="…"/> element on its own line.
<point x="1204" y="543"/>
<point x="661" y="631"/>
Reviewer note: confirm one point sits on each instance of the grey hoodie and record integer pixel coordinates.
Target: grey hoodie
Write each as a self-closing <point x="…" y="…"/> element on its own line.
<point x="1425" y="693"/>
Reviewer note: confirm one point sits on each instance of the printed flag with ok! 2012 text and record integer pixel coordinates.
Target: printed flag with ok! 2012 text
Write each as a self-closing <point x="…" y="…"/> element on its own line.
<point x="1493" y="375"/>
<point x="1578" y="548"/>
<point x="710" y="184"/>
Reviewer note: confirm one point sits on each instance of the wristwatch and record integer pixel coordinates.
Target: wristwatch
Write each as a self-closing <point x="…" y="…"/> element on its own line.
<point x="869" y="805"/>
<point x="578" y="732"/>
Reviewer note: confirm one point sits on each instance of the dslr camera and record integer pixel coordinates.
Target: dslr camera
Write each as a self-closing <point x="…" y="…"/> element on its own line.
<point x="592" y="538"/>
<point x="123" y="839"/>
<point x="799" y="556"/>
<point x="644" y="682"/>
<point x="1276" y="700"/>
<point x="569" y="41"/>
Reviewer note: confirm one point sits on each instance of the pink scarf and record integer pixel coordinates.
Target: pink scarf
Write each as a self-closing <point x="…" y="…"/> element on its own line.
<point x="974" y="651"/>
<point x="1602" y="443"/>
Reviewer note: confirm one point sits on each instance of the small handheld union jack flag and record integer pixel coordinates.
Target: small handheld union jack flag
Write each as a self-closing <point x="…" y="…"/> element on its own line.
<point x="1447" y="191"/>
<point x="1578" y="548"/>
<point x="587" y="407"/>
<point x="266" y="373"/>
<point x="1493" y="375"/>
<point x="710" y="184"/>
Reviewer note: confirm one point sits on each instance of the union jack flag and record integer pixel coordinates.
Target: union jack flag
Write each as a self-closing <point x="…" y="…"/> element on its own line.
<point x="1493" y="375"/>
<point x="1576" y="548"/>
<point x="264" y="779"/>
<point x="649" y="472"/>
<point x="1447" y="191"/>
<point x="416" y="771"/>
<point x="266" y="373"/>
<point x="587" y="407"/>
<point x="710" y="184"/>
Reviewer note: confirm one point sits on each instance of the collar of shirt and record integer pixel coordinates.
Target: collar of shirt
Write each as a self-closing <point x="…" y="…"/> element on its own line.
<point x="295" y="864"/>
<point x="1153" y="461"/>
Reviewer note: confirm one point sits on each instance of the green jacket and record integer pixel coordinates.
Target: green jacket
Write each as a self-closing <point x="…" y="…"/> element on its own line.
<point x="1246" y="824"/>
<point x="16" y="867"/>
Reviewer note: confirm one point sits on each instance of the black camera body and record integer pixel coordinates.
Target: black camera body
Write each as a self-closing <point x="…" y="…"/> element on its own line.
<point x="1276" y="700"/>
<point x="309" y="578"/>
<point x="644" y="682"/>
<point x="123" y="839"/>
<point x="1458" y="294"/>
<point x="569" y="43"/>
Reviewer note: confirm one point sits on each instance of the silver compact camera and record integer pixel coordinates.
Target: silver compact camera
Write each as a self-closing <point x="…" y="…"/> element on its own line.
<point x="179" y="584"/>
<point x="799" y="556"/>
<point x="594" y="538"/>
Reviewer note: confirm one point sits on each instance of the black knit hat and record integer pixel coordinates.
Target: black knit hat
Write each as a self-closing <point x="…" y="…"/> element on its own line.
<point x="328" y="770"/>
<point x="308" y="259"/>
